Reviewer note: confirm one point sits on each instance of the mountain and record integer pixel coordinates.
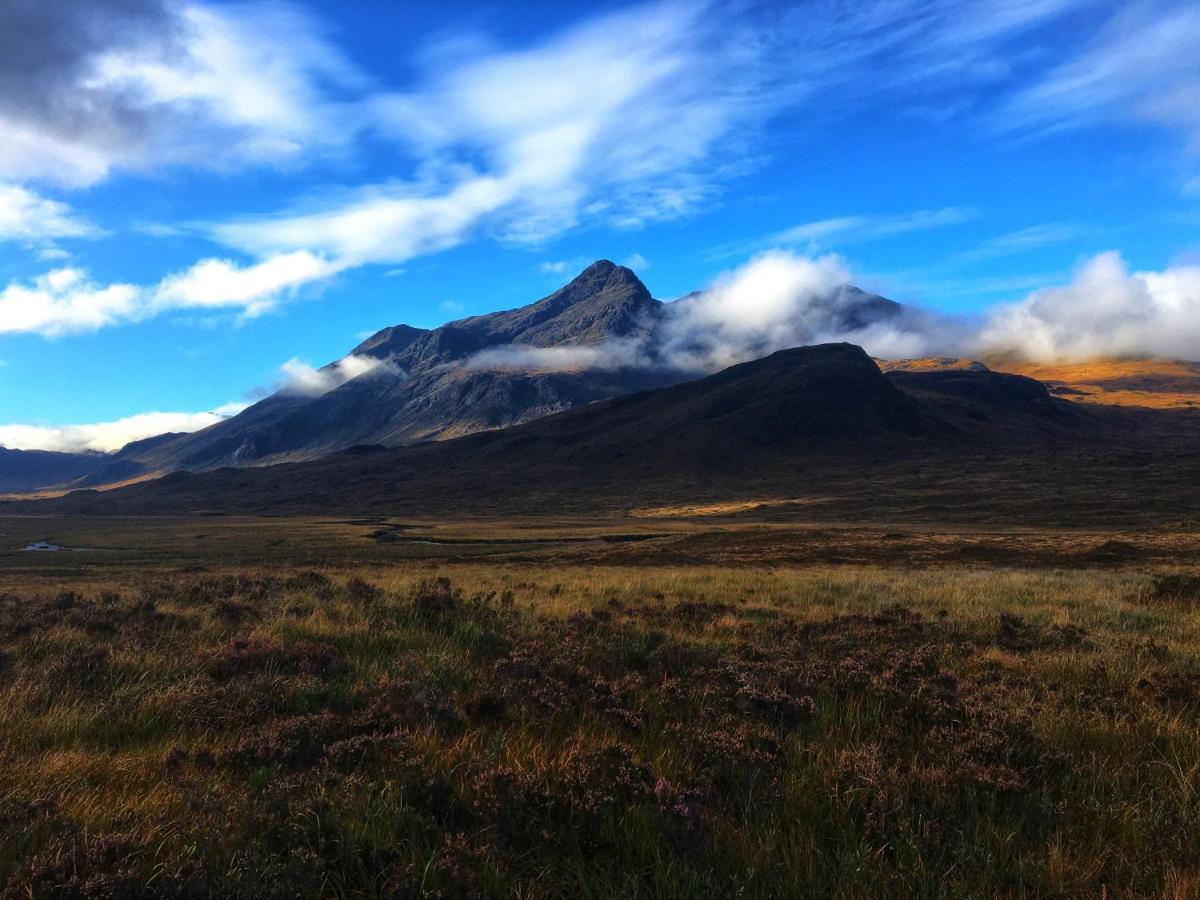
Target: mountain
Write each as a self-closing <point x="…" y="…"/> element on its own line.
<point x="601" y="336"/>
<point x="820" y="425"/>
<point x="475" y="374"/>
<point x="426" y="385"/>
<point x="30" y="470"/>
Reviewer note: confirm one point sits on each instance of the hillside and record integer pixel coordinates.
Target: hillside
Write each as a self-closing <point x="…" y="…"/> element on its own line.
<point x="475" y="374"/>
<point x="1147" y="382"/>
<point x="426" y="386"/>
<point x="29" y="470"/>
<point x="819" y="424"/>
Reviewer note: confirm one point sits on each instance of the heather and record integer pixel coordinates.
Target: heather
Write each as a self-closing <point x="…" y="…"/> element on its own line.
<point x="520" y="730"/>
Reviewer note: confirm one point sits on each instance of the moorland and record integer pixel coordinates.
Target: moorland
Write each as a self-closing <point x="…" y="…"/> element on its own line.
<point x="694" y="702"/>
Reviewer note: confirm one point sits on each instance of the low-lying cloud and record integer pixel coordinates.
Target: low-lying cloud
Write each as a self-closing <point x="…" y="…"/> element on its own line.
<point x="102" y="437"/>
<point x="780" y="300"/>
<point x="1106" y="310"/>
<point x="299" y="378"/>
<point x="519" y="358"/>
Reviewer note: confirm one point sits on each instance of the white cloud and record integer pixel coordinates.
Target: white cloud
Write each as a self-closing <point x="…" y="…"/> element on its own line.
<point x="637" y="262"/>
<point x="64" y="301"/>
<point x="381" y="226"/>
<point x="231" y="409"/>
<point x="613" y="119"/>
<point x="96" y="85"/>
<point x="515" y="357"/>
<point x="627" y="118"/>
<point x="103" y="437"/>
<point x="67" y="301"/>
<point x="1104" y="311"/>
<point x="631" y="117"/>
<point x="301" y="378"/>
<point x="844" y="230"/>
<point x="780" y="300"/>
<point x="221" y="283"/>
<point x="776" y="301"/>
<point x="27" y="216"/>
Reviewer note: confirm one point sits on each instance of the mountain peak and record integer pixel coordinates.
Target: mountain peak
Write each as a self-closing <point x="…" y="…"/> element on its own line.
<point x="603" y="301"/>
<point x="602" y="275"/>
<point x="598" y="268"/>
<point x="388" y="341"/>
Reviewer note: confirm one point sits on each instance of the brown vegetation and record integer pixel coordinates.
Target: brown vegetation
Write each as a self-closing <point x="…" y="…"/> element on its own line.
<point x="522" y="729"/>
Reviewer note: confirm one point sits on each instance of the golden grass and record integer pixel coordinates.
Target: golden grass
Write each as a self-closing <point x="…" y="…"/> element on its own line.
<point x="1075" y="772"/>
<point x="1148" y="382"/>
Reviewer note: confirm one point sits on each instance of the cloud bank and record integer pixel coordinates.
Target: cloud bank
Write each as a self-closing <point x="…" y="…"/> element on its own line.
<point x="102" y="437"/>
<point x="1105" y="311"/>
<point x="780" y="300"/>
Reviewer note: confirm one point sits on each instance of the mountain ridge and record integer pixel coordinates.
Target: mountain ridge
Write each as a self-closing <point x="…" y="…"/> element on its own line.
<point x="819" y="421"/>
<point x="514" y="366"/>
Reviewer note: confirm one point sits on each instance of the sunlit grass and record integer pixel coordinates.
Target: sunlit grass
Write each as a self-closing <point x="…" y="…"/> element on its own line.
<point x="770" y="732"/>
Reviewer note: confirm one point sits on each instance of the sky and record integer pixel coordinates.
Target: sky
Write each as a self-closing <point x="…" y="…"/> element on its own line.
<point x="201" y="200"/>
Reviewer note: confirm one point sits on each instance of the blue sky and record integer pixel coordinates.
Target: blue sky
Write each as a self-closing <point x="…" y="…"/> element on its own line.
<point x="192" y="194"/>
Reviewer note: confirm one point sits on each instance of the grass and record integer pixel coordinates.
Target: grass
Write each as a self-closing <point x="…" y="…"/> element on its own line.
<point x="588" y="727"/>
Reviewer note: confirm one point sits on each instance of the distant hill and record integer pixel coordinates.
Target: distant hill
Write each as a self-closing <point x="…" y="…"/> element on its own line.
<point x="822" y="424"/>
<point x="1148" y="382"/>
<point x="1157" y="383"/>
<point x="30" y="470"/>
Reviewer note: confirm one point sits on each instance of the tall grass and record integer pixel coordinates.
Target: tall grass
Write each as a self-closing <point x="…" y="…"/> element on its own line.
<point x="512" y="729"/>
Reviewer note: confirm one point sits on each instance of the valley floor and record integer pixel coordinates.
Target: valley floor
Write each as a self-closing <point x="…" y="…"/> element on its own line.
<point x="676" y="703"/>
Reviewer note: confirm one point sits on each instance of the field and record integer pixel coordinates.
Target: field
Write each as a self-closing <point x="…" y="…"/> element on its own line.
<point x="680" y="703"/>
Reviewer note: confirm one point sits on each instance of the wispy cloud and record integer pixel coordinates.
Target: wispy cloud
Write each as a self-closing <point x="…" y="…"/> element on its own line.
<point x="29" y="217"/>
<point x="846" y="230"/>
<point x="559" y="267"/>
<point x="851" y="229"/>
<point x="1140" y="67"/>
<point x="781" y="299"/>
<point x="1021" y="241"/>
<point x="628" y="118"/>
